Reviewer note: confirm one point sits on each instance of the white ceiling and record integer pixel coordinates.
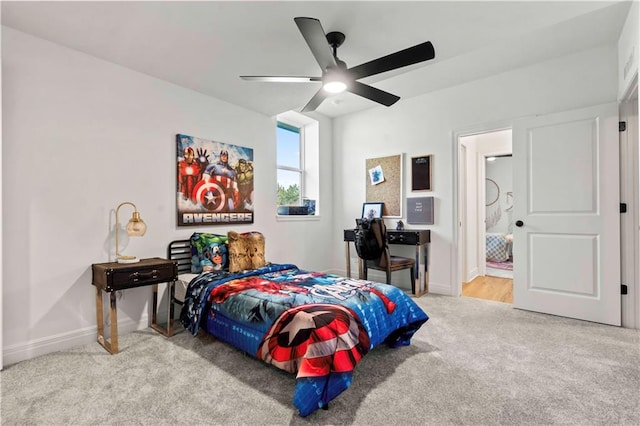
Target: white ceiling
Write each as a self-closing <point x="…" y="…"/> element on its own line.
<point x="205" y="46"/>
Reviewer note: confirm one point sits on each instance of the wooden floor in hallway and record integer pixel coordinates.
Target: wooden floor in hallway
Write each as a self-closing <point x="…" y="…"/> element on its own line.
<point x="489" y="288"/>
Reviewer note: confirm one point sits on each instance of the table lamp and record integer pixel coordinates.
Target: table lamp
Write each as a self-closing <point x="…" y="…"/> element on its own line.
<point x="135" y="228"/>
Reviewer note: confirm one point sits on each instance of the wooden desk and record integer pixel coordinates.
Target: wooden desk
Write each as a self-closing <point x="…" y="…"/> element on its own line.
<point x="420" y="238"/>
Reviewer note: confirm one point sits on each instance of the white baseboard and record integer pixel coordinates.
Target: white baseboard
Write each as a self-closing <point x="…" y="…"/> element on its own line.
<point x="444" y="289"/>
<point x="42" y="346"/>
<point x="473" y="273"/>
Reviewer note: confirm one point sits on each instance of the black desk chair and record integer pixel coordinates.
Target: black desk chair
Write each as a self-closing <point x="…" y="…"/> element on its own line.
<point x="387" y="262"/>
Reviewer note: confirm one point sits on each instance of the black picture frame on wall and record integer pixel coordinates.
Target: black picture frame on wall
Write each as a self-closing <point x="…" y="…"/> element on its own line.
<point x="372" y="210"/>
<point x="421" y="179"/>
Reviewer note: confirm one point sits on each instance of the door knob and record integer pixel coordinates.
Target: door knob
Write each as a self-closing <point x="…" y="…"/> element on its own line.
<point x="519" y="223"/>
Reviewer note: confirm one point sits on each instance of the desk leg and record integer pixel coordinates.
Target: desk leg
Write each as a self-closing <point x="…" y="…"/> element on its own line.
<point x="426" y="268"/>
<point x="113" y="322"/>
<point x="99" y="316"/>
<point x="172" y="294"/>
<point x="417" y="287"/>
<point x="422" y="286"/>
<point x="168" y="331"/>
<point x="111" y="344"/>
<point x="348" y="253"/>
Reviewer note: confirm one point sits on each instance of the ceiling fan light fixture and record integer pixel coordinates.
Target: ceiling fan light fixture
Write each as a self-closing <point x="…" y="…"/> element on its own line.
<point x="334" y="81"/>
<point x="335" y="86"/>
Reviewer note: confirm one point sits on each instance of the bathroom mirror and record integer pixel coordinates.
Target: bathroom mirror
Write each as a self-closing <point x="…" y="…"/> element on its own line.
<point x="492" y="192"/>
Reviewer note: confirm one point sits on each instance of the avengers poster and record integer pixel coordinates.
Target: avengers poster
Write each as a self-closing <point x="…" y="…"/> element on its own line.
<point x="215" y="182"/>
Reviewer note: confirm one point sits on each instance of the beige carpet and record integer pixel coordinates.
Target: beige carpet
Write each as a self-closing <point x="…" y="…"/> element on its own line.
<point x="474" y="362"/>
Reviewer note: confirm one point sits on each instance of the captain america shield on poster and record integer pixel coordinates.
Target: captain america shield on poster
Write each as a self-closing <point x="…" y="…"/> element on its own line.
<point x="214" y="182"/>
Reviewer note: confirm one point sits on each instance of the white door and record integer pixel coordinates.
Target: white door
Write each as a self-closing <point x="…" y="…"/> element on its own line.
<point x="567" y="214"/>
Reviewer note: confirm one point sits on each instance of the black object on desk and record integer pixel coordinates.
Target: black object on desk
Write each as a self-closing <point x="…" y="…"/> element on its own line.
<point x="416" y="237"/>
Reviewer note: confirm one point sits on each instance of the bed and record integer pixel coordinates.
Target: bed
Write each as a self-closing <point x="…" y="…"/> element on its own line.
<point x="313" y="324"/>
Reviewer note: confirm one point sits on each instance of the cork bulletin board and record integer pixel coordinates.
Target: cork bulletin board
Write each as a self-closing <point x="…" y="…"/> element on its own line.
<point x="387" y="173"/>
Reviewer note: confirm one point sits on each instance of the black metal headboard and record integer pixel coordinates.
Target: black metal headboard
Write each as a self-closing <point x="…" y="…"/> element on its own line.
<point x="180" y="251"/>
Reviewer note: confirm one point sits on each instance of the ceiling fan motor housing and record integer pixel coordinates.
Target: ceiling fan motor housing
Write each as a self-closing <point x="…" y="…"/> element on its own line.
<point x="335" y="39"/>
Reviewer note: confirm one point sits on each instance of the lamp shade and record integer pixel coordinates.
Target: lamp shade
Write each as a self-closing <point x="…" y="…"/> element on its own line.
<point x="135" y="228"/>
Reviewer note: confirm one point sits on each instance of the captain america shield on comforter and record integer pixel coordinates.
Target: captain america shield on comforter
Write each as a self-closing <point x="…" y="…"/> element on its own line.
<point x="314" y="324"/>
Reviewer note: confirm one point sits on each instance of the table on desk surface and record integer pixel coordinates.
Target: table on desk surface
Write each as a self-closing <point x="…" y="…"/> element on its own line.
<point x="420" y="238"/>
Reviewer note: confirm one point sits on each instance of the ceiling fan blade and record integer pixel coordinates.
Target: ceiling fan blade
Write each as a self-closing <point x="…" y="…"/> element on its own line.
<point x="315" y="102"/>
<point x="280" y="79"/>
<point x="316" y="39"/>
<point x="370" y="92"/>
<point x="402" y="58"/>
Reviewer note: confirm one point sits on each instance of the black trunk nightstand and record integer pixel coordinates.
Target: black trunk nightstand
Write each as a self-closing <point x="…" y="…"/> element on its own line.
<point x="111" y="277"/>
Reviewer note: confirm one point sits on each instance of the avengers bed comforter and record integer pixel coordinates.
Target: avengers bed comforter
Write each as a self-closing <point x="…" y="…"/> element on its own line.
<point x="316" y="325"/>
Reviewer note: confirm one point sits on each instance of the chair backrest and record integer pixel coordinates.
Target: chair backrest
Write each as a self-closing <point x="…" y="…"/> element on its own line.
<point x="384" y="260"/>
<point x="371" y="241"/>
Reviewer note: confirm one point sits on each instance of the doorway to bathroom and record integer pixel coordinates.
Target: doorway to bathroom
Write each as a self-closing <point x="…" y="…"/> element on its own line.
<point x="486" y="203"/>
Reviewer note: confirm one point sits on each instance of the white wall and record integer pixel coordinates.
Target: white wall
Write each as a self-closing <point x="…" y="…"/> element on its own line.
<point x="628" y="50"/>
<point x="1" y="360"/>
<point x="501" y="172"/>
<point x="427" y="125"/>
<point x="81" y="135"/>
<point x="472" y="267"/>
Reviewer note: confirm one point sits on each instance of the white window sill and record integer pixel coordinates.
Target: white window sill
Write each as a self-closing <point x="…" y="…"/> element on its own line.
<point x="296" y="218"/>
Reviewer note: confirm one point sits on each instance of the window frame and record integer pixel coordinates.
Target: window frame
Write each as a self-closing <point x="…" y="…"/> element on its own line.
<point x="283" y="124"/>
<point x="309" y="131"/>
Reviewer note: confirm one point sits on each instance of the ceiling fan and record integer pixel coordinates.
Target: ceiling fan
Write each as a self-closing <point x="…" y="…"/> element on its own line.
<point x="336" y="77"/>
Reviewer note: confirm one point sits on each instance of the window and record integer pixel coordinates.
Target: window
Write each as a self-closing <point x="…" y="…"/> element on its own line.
<point x="298" y="164"/>
<point x="290" y="165"/>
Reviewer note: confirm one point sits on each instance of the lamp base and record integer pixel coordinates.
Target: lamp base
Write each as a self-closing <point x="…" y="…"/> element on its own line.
<point x="127" y="259"/>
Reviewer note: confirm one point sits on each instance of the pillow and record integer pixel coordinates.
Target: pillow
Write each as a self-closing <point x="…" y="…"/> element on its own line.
<point x="246" y="251"/>
<point x="497" y="248"/>
<point x="208" y="252"/>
